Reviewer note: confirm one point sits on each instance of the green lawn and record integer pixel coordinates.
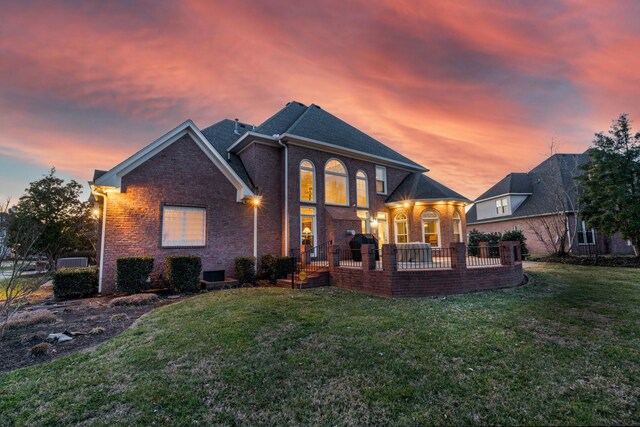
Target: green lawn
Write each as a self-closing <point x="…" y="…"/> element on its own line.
<point x="564" y="349"/>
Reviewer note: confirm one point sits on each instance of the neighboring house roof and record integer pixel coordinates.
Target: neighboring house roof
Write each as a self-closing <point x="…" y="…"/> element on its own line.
<point x="551" y="179"/>
<point x="418" y="186"/>
<point x="514" y="183"/>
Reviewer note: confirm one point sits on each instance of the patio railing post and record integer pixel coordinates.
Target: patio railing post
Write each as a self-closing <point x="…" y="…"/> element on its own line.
<point x="304" y="254"/>
<point x="458" y="256"/>
<point x="368" y="257"/>
<point x="507" y="253"/>
<point x="483" y="250"/>
<point x="389" y="258"/>
<point x="334" y="256"/>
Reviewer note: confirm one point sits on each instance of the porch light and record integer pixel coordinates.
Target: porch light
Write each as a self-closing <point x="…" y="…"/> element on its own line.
<point x="256" y="201"/>
<point x="407" y="204"/>
<point x="374" y="222"/>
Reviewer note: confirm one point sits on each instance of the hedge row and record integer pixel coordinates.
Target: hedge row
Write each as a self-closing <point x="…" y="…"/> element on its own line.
<point x="133" y="274"/>
<point x="273" y="267"/>
<point x="75" y="282"/>
<point x="183" y="272"/>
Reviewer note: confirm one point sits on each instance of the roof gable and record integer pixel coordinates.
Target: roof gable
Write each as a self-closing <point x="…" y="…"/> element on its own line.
<point x="113" y="177"/>
<point x="418" y="186"/>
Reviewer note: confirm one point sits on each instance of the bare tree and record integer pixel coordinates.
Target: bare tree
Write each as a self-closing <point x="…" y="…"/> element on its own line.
<point x="16" y="285"/>
<point x="557" y="230"/>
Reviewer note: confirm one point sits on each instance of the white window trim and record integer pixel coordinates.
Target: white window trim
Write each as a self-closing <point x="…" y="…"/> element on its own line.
<point x="423" y="220"/>
<point x="505" y="206"/>
<point x="315" y="226"/>
<point x="176" y="244"/>
<point x="367" y="220"/>
<point x="313" y="175"/>
<point x="345" y="175"/>
<point x="366" y="188"/>
<point x="395" y="226"/>
<point x="384" y="170"/>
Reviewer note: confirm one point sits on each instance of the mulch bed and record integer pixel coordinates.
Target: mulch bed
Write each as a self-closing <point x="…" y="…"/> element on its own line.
<point x="601" y="261"/>
<point x="75" y="318"/>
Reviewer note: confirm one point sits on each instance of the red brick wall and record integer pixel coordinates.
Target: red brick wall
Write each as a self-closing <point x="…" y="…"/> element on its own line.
<point x="179" y="175"/>
<point x="319" y="159"/>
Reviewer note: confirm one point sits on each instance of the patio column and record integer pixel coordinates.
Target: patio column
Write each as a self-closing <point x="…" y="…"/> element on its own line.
<point x="368" y="257"/>
<point x="507" y="253"/>
<point x="334" y="259"/>
<point x="483" y="250"/>
<point x="458" y="256"/>
<point x="389" y="258"/>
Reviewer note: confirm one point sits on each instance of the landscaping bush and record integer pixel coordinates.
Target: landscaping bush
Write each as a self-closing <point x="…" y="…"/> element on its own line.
<point x="494" y="238"/>
<point x="246" y="269"/>
<point x="274" y="267"/>
<point x="183" y="272"/>
<point x="132" y="274"/>
<point x="516" y="236"/>
<point x="75" y="282"/>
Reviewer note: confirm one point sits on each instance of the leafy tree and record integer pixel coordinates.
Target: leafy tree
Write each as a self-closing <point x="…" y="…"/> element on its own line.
<point x="611" y="198"/>
<point x="55" y="206"/>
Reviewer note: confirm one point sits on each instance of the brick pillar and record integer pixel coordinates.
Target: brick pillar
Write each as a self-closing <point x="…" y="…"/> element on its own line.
<point x="458" y="256"/>
<point x="389" y="261"/>
<point x="483" y="250"/>
<point x="368" y="257"/>
<point x="333" y="255"/>
<point x="507" y="253"/>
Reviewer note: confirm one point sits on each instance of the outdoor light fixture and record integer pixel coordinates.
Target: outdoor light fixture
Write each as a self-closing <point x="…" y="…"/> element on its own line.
<point x="256" y="201"/>
<point x="374" y="222"/>
<point x="407" y="204"/>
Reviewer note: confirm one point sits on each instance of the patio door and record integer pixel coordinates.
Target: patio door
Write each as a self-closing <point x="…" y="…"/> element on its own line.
<point x="308" y="228"/>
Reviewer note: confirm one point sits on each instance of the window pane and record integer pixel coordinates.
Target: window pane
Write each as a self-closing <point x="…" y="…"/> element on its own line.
<point x="306" y="185"/>
<point x="183" y="226"/>
<point x="336" y="189"/>
<point x="307" y="211"/>
<point x="381" y="179"/>
<point x="361" y="191"/>
<point x="335" y="167"/>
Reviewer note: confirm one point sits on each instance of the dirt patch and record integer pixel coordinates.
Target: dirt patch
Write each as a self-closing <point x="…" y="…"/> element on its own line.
<point x="89" y="321"/>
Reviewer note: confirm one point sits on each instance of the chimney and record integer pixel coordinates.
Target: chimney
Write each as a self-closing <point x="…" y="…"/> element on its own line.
<point x="236" y="131"/>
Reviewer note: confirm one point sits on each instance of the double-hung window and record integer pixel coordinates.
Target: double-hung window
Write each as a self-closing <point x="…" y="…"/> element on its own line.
<point x="585" y="236"/>
<point x="381" y="180"/>
<point x="502" y="206"/>
<point x="183" y="226"/>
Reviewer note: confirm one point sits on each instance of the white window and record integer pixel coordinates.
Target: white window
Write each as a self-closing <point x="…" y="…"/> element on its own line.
<point x="585" y="236"/>
<point x="308" y="226"/>
<point x="501" y="206"/>
<point x="457" y="227"/>
<point x="516" y="227"/>
<point x="307" y="181"/>
<point x="362" y="190"/>
<point x="183" y="226"/>
<point x="381" y="180"/>
<point x="431" y="228"/>
<point x="401" y="228"/>
<point x="364" y="216"/>
<point x="336" y="183"/>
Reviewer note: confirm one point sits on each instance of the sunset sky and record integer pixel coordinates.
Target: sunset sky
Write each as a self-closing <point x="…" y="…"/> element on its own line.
<point x="471" y="90"/>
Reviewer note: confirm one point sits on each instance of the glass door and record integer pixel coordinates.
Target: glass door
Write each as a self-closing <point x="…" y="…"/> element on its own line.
<point x="308" y="227"/>
<point x="383" y="229"/>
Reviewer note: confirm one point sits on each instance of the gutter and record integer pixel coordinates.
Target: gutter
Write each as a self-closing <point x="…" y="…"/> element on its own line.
<point x="95" y="192"/>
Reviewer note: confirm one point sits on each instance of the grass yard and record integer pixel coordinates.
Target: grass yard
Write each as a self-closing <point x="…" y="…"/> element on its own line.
<point x="564" y="349"/>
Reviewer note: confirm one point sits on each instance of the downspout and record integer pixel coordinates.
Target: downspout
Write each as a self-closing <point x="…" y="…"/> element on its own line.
<point x="102" y="238"/>
<point x="286" y="196"/>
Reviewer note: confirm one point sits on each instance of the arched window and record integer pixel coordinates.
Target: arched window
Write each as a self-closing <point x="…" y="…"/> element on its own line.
<point x="362" y="190"/>
<point x="457" y="227"/>
<point x="431" y="227"/>
<point x="402" y="228"/>
<point x="307" y="181"/>
<point x="336" y="183"/>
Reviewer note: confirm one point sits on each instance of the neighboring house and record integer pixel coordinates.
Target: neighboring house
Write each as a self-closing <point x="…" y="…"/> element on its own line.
<point x="313" y="177"/>
<point x="539" y="203"/>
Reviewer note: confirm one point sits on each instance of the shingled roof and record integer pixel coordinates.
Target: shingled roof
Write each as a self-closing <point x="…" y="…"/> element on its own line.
<point x="418" y="186"/>
<point x="558" y="170"/>
<point x="314" y="123"/>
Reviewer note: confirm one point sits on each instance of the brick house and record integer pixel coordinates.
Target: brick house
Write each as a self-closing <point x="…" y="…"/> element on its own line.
<point x="531" y="202"/>
<point x="302" y="177"/>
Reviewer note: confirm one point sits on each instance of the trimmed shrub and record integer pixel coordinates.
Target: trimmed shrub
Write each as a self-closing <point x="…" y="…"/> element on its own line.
<point x="274" y="267"/>
<point x="132" y="274"/>
<point x="75" y="282"/>
<point x="494" y="238"/>
<point x="246" y="269"/>
<point x="516" y="236"/>
<point x="183" y="272"/>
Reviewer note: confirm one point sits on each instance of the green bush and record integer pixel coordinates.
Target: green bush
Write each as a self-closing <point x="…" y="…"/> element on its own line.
<point x="75" y="282"/>
<point x="516" y="236"/>
<point x="132" y="274"/>
<point x="274" y="267"/>
<point x="183" y="272"/>
<point x="246" y="269"/>
<point x="494" y="238"/>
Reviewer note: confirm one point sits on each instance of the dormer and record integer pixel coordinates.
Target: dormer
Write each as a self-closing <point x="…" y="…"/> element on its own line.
<point x="505" y="197"/>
